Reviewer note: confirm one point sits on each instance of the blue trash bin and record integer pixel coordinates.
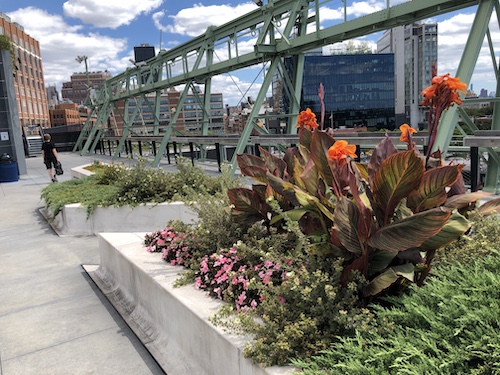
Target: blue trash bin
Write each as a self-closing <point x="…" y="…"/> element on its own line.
<point x="8" y="169"/>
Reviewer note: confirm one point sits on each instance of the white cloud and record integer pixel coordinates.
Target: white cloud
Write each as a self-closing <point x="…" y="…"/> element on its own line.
<point x="194" y="21"/>
<point x="109" y="13"/>
<point x="452" y="36"/>
<point x="60" y="43"/>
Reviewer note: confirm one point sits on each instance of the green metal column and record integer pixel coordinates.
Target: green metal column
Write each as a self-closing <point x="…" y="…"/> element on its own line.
<point x="465" y="70"/>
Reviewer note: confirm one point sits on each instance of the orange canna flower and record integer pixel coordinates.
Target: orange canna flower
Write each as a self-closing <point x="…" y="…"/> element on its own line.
<point x="307" y="119"/>
<point x="443" y="91"/>
<point x="406" y="130"/>
<point x="340" y="150"/>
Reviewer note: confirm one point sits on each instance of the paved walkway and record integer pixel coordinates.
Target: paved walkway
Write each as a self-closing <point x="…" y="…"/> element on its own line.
<point x="53" y="319"/>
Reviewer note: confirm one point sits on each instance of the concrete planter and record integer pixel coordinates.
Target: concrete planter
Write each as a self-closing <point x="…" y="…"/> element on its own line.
<point x="80" y="172"/>
<point x="171" y="322"/>
<point x="72" y="220"/>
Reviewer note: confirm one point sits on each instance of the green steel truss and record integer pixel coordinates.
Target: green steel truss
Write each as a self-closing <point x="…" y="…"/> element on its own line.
<point x="279" y="28"/>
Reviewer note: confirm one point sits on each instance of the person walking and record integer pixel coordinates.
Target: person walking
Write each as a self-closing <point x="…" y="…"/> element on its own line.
<point x="50" y="156"/>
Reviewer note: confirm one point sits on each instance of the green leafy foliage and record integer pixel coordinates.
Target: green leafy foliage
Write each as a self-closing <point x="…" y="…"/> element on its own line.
<point x="449" y="327"/>
<point x="391" y="208"/>
<point x="117" y="185"/>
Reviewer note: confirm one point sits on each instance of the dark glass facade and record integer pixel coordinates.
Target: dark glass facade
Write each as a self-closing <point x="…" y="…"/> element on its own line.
<point x="359" y="89"/>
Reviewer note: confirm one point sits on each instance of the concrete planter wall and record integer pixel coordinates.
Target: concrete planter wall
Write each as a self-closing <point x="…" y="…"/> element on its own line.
<point x="72" y="220"/>
<point x="80" y="172"/>
<point x="171" y="322"/>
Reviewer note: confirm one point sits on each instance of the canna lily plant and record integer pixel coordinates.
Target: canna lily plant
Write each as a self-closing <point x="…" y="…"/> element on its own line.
<point x="386" y="218"/>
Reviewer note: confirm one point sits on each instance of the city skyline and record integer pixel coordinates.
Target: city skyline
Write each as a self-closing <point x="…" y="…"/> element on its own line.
<point x="107" y="34"/>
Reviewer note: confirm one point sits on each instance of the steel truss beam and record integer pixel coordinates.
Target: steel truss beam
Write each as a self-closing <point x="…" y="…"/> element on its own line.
<point x="280" y="28"/>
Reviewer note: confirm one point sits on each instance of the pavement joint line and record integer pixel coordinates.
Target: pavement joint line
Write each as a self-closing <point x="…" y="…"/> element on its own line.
<point x="50" y="303"/>
<point x="60" y="343"/>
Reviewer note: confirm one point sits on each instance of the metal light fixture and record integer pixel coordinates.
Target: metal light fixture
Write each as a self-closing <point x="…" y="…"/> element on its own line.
<point x="259" y="3"/>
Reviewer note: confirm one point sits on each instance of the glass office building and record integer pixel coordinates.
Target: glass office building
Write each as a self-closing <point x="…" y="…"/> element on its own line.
<point x="359" y="89"/>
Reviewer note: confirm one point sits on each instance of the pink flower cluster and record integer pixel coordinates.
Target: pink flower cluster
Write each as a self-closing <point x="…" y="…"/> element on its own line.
<point x="157" y="241"/>
<point x="226" y="276"/>
<point x="172" y="245"/>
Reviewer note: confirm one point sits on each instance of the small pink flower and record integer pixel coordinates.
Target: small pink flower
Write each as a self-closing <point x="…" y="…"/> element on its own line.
<point x="268" y="264"/>
<point x="198" y="283"/>
<point x="281" y="299"/>
<point x="241" y="298"/>
<point x="253" y="304"/>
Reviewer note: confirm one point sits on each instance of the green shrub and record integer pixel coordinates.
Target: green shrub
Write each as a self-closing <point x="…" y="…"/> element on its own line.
<point x="306" y="313"/>
<point x="483" y="237"/>
<point x="448" y="327"/>
<point x="117" y="185"/>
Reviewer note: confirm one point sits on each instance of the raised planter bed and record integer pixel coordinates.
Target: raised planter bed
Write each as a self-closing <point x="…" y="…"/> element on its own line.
<point x="171" y="322"/>
<point x="80" y="172"/>
<point x="72" y="220"/>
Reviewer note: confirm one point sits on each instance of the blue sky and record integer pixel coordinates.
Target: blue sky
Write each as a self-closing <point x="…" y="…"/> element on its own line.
<point x="107" y="30"/>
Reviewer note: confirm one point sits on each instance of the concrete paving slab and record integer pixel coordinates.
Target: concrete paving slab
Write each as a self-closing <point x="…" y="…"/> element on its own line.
<point x="53" y="319"/>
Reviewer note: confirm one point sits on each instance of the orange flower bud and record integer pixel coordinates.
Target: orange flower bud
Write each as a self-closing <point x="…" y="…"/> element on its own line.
<point x="406" y="130"/>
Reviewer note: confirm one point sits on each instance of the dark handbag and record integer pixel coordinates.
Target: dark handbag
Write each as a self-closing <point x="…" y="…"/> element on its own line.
<point x="58" y="168"/>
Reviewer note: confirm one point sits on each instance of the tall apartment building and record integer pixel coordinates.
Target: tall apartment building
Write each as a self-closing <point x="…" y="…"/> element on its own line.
<point x="415" y="49"/>
<point x="77" y="88"/>
<point x="29" y="82"/>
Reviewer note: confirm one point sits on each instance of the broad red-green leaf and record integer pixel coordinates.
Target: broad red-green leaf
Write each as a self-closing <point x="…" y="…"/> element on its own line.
<point x="320" y="143"/>
<point x="365" y="220"/>
<point x="362" y="169"/>
<point x="274" y="164"/>
<point x="292" y="156"/>
<point x="431" y="192"/>
<point x="345" y="220"/>
<point x="245" y="160"/>
<point x="389" y="277"/>
<point x="459" y="201"/>
<point x="252" y="166"/>
<point x="409" y="232"/>
<point x="380" y="261"/>
<point x="397" y="177"/>
<point x="456" y="226"/>
<point x="381" y="152"/>
<point x="308" y="200"/>
<point x="458" y="187"/>
<point x="380" y="283"/>
<point x="296" y="171"/>
<point x="248" y="205"/>
<point x="309" y="177"/>
<point x="305" y="137"/>
<point x="490" y="207"/>
<point x="258" y="173"/>
<point x="405" y="270"/>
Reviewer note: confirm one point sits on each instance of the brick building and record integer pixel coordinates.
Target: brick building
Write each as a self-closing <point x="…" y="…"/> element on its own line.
<point x="29" y="82"/>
